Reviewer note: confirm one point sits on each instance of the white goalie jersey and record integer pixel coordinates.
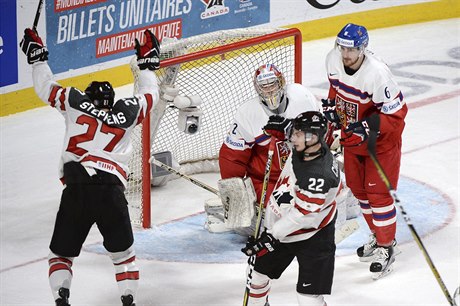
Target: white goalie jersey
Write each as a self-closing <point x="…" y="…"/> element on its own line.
<point x="90" y="128"/>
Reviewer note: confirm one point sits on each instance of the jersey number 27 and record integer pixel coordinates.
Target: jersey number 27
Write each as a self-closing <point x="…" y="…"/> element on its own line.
<point x="92" y="128"/>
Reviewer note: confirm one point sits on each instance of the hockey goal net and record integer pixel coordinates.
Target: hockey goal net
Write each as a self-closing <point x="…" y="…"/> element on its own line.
<point x="218" y="67"/>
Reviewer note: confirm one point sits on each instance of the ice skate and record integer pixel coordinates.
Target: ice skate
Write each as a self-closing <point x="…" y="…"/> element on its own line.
<point x="366" y="252"/>
<point x="128" y="300"/>
<point x="384" y="257"/>
<point x="64" y="294"/>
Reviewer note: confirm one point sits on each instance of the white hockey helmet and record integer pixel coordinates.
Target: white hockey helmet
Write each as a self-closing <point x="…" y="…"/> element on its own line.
<point x="270" y="84"/>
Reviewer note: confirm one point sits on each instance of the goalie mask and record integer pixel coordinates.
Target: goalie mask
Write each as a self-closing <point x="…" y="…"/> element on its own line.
<point x="270" y="85"/>
<point x="101" y="94"/>
<point x="311" y="123"/>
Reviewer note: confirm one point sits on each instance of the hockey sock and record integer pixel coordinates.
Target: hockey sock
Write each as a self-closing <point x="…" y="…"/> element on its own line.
<point x="60" y="273"/>
<point x="126" y="271"/>
<point x="260" y="287"/>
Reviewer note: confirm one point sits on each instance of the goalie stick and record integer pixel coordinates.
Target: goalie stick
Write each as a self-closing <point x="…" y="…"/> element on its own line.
<point x="182" y="175"/>
<point x="371" y="147"/>
<point x="346" y="230"/>
<point x="37" y="15"/>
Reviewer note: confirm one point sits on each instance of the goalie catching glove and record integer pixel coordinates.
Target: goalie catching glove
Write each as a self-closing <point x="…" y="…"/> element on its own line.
<point x="33" y="48"/>
<point x="266" y="243"/>
<point x="148" y="54"/>
<point x="278" y="127"/>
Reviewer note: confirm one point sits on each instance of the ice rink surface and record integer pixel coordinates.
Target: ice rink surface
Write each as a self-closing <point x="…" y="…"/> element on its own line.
<point x="426" y="61"/>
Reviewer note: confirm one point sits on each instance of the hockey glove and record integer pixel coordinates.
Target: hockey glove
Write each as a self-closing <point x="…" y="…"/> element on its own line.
<point x="330" y="112"/>
<point x="32" y="46"/>
<point x="265" y="244"/>
<point x="356" y="133"/>
<point x="278" y="127"/>
<point x="148" y="55"/>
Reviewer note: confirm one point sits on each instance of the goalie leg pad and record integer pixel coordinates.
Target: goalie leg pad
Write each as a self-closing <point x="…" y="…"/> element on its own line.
<point x="215" y="216"/>
<point x="238" y="198"/>
<point x="214" y="207"/>
<point x="215" y="225"/>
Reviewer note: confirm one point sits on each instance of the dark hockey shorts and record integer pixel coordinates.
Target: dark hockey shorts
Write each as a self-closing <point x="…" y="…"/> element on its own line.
<point x="315" y="256"/>
<point x="82" y="204"/>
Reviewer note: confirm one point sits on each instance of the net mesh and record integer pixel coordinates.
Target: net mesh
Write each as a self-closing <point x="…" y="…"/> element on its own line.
<point x="222" y="81"/>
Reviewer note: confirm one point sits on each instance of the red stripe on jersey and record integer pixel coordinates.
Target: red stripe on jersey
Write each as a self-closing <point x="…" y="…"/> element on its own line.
<point x="149" y="99"/>
<point x="131" y="259"/>
<point x="62" y="99"/>
<point x="97" y="158"/>
<point x="305" y="198"/>
<point x="140" y="118"/>
<point x="58" y="267"/>
<point x="325" y="221"/>
<point x="302" y="210"/>
<point x="127" y="275"/>
<point x="52" y="97"/>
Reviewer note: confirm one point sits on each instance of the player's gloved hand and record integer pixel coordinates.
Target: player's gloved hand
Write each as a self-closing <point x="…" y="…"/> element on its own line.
<point x="356" y="133"/>
<point x="329" y="111"/>
<point x="32" y="46"/>
<point x="148" y="55"/>
<point x="278" y="127"/>
<point x="265" y="244"/>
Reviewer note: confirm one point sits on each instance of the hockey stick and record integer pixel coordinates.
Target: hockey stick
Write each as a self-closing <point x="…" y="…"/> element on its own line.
<point x="371" y="147"/>
<point x="188" y="178"/>
<point x="37" y="15"/>
<point x="349" y="227"/>
<point x="252" y="259"/>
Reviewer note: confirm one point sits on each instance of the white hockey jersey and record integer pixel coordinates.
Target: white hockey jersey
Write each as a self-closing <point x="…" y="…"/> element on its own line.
<point x="245" y="148"/>
<point x="303" y="201"/>
<point x="371" y="90"/>
<point x="94" y="137"/>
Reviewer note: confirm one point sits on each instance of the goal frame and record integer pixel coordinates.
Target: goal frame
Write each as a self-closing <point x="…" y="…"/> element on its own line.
<point x="220" y="50"/>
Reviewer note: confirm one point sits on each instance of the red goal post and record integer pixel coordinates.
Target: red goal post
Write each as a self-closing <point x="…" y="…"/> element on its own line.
<point x="218" y="67"/>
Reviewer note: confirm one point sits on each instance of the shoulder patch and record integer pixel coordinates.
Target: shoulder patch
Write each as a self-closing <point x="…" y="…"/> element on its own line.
<point x="235" y="144"/>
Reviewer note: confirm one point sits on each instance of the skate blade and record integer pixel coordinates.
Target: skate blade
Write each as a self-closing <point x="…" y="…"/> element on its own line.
<point x="366" y="259"/>
<point x="379" y="275"/>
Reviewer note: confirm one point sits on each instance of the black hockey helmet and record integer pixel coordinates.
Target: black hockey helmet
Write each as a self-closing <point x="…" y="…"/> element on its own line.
<point x="311" y="122"/>
<point x="101" y="94"/>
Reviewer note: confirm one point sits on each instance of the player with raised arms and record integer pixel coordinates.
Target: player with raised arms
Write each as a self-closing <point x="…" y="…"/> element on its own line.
<point x="93" y="164"/>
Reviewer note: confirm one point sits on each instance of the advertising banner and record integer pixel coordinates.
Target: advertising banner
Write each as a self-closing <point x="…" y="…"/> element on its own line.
<point x="82" y="33"/>
<point x="8" y="44"/>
